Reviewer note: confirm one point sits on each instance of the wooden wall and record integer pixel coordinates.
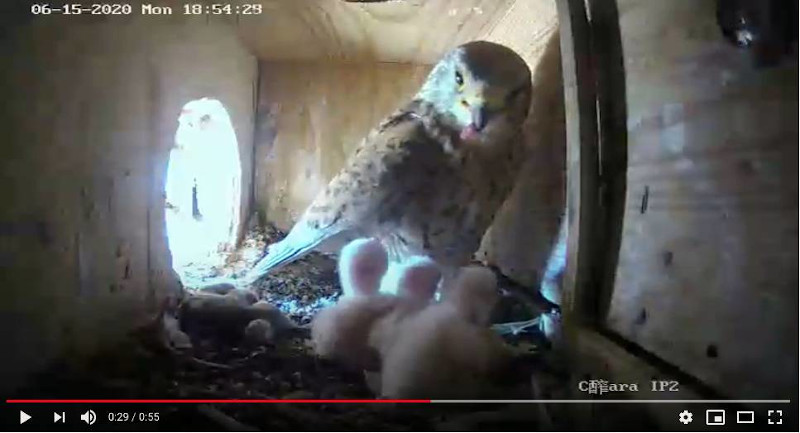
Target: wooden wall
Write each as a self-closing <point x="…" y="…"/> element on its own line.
<point x="396" y="31"/>
<point x="310" y="117"/>
<point x="707" y="273"/>
<point x="89" y="113"/>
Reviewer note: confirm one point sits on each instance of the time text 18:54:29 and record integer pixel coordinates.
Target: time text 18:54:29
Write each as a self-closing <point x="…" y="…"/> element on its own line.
<point x="222" y="9"/>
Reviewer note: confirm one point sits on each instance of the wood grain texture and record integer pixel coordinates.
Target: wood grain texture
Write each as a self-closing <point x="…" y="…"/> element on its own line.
<point x="582" y="160"/>
<point x="707" y="274"/>
<point x="609" y="66"/>
<point x="90" y="115"/>
<point x="311" y="117"/>
<point x="600" y="358"/>
<point x="416" y="31"/>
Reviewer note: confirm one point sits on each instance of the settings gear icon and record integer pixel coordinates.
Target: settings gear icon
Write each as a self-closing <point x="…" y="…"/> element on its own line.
<point x="685" y="417"/>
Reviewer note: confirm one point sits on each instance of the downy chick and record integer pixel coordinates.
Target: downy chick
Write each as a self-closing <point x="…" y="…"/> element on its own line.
<point x="475" y="295"/>
<point x="416" y="284"/>
<point x="341" y="331"/>
<point x="446" y="350"/>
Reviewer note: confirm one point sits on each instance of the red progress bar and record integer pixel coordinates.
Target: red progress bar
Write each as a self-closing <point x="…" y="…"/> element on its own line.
<point x="208" y="401"/>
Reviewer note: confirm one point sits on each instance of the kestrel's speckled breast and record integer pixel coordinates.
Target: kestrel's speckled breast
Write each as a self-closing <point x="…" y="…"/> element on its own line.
<point x="446" y="217"/>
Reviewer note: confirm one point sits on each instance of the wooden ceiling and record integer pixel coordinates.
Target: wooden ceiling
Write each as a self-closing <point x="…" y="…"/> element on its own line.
<point x="404" y="31"/>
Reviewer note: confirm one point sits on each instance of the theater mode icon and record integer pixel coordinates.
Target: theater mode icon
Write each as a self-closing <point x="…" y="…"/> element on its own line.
<point x="715" y="417"/>
<point x="745" y="417"/>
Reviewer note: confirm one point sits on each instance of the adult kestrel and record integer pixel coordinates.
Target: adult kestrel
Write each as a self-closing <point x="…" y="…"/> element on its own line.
<point x="428" y="180"/>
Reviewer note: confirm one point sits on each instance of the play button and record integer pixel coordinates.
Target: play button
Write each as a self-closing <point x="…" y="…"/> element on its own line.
<point x="23" y="417"/>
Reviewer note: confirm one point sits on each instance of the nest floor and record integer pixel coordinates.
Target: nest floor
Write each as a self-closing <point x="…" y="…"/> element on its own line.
<point x="221" y="366"/>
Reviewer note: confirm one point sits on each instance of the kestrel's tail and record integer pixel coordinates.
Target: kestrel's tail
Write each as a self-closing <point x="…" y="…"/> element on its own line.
<point x="299" y="242"/>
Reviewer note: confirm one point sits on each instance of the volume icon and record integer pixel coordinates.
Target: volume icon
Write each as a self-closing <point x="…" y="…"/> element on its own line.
<point x="89" y="417"/>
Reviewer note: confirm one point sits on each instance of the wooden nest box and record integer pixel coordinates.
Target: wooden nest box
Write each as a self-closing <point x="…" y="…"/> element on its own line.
<point x="674" y="157"/>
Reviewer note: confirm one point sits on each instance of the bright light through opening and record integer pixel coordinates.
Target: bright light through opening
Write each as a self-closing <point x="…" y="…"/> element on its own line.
<point x="203" y="192"/>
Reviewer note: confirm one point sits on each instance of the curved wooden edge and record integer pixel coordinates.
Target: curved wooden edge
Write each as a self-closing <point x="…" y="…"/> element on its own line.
<point x="609" y="66"/>
<point x="582" y="157"/>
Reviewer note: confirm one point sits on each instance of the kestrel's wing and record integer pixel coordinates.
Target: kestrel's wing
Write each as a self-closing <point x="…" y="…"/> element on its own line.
<point x="393" y="166"/>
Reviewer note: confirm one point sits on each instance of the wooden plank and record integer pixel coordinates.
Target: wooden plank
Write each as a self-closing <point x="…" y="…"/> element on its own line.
<point x="582" y="175"/>
<point x="83" y="246"/>
<point x="609" y="65"/>
<point x="602" y="358"/>
<point x="399" y="31"/>
<point x="707" y="275"/>
<point x="599" y="358"/>
<point x="526" y="27"/>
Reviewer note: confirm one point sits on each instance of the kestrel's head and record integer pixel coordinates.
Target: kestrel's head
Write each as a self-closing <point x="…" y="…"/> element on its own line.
<point x="481" y="85"/>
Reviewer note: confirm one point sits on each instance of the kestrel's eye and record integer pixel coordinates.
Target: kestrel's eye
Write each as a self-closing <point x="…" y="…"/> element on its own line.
<point x="514" y="93"/>
<point x="459" y="80"/>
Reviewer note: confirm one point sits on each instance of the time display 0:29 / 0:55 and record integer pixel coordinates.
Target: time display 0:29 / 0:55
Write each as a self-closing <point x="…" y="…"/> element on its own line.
<point x="133" y="416"/>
